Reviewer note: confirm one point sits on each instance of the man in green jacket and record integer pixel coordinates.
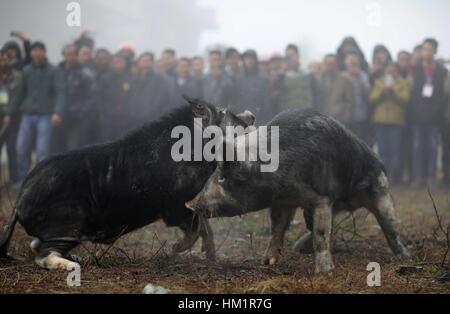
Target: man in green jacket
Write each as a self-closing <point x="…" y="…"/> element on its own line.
<point x="298" y="88"/>
<point x="40" y="97"/>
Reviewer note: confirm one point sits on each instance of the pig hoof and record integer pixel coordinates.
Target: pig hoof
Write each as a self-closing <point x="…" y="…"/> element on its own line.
<point x="304" y="245"/>
<point x="209" y="250"/>
<point x="74" y="258"/>
<point x="323" y="262"/>
<point x="324" y="268"/>
<point x="179" y="247"/>
<point x="270" y="260"/>
<point x="403" y="254"/>
<point x="211" y="256"/>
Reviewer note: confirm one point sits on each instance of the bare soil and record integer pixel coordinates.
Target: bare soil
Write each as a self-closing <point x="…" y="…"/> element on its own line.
<point x="145" y="257"/>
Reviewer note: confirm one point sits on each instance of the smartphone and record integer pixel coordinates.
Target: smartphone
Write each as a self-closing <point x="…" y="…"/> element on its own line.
<point x="388" y="80"/>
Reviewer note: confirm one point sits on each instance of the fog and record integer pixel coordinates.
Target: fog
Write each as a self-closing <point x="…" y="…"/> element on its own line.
<point x="190" y="26"/>
<point x="319" y="26"/>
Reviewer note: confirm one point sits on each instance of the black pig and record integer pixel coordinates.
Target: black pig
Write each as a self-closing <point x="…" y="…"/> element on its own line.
<point x="101" y="192"/>
<point x="323" y="168"/>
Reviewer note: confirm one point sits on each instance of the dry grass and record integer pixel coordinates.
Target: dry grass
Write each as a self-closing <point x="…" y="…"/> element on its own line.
<point x="144" y="257"/>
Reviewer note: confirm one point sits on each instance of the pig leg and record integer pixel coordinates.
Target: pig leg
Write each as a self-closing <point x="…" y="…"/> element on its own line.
<point x="198" y="227"/>
<point x="281" y="219"/>
<point x="207" y="239"/>
<point x="187" y="242"/>
<point x="323" y="219"/>
<point x="305" y="243"/>
<point x="50" y="255"/>
<point x="184" y="219"/>
<point x="383" y="209"/>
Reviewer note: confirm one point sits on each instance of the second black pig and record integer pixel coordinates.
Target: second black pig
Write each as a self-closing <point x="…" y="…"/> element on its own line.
<point x="323" y="168"/>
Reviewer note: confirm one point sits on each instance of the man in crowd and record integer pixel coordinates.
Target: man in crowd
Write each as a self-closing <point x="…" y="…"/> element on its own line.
<point x="168" y="63"/>
<point x="198" y="74"/>
<point x="80" y="111"/>
<point x="252" y="91"/>
<point x="360" y="114"/>
<point x="102" y="61"/>
<point x="404" y="65"/>
<point x="446" y="140"/>
<point x="41" y="91"/>
<point x="150" y="92"/>
<point x="183" y="83"/>
<point x="298" y="88"/>
<point x="233" y="63"/>
<point x="275" y="77"/>
<point x="114" y="99"/>
<point x="218" y="88"/>
<point x="427" y="111"/>
<point x="85" y="56"/>
<point x="215" y="58"/>
<point x="9" y="78"/>
<point x="335" y="92"/>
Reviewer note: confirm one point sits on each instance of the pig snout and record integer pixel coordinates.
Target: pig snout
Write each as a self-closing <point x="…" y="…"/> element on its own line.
<point x="197" y="204"/>
<point x="192" y="204"/>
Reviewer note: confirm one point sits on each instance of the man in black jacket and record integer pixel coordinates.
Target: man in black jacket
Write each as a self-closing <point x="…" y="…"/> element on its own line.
<point x="80" y="107"/>
<point x="184" y="84"/>
<point x="150" y="92"/>
<point x="427" y="110"/>
<point x="114" y="99"/>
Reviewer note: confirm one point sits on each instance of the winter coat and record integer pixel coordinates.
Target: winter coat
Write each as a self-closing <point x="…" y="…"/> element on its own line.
<point x="336" y="96"/>
<point x="390" y="108"/>
<point x="80" y="89"/>
<point x="40" y="90"/>
<point x="252" y="94"/>
<point x="297" y="91"/>
<point x="428" y="111"/>
<point x="149" y="97"/>
<point x="219" y="91"/>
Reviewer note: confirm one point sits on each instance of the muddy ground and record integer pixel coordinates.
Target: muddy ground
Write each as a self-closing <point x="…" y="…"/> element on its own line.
<point x="145" y="257"/>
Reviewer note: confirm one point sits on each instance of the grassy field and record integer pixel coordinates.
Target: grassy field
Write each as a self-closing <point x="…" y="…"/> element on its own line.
<point x="145" y="257"/>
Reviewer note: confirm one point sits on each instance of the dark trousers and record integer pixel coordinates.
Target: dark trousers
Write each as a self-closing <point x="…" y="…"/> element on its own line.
<point x="81" y="132"/>
<point x="389" y="139"/>
<point x="405" y="167"/>
<point x="75" y="132"/>
<point x="114" y="127"/>
<point x="445" y="137"/>
<point x="35" y="131"/>
<point x="8" y="137"/>
<point x="425" y="149"/>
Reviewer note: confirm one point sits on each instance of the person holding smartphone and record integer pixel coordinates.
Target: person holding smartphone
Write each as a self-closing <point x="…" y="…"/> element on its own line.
<point x="389" y="97"/>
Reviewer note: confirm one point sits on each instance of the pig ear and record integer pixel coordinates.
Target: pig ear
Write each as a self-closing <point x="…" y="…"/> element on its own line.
<point x="248" y="117"/>
<point x="189" y="100"/>
<point x="199" y="108"/>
